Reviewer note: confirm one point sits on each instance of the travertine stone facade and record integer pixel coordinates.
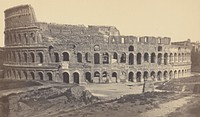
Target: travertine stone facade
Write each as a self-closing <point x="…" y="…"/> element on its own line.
<point x="78" y="54"/>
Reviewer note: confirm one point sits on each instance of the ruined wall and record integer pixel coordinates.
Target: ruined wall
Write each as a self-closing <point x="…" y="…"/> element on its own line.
<point x="78" y="53"/>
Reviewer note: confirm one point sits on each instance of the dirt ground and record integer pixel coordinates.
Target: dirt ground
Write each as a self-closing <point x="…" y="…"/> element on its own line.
<point x="48" y="99"/>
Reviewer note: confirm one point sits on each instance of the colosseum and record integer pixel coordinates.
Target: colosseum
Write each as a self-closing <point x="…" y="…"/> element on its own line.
<point x="87" y="54"/>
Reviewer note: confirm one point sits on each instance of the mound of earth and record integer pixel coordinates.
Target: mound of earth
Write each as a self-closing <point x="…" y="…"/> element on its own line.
<point x="45" y="102"/>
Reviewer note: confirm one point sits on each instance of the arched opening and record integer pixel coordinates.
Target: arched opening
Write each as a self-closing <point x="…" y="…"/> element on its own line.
<point x="114" y="75"/>
<point x="153" y="57"/>
<point x="179" y="73"/>
<point x="25" y="58"/>
<point x="32" y="57"/>
<point x="175" y="74"/>
<point x="183" y="57"/>
<point x="170" y="75"/>
<point x="159" y="59"/>
<point x="179" y="57"/>
<point x="123" y="58"/>
<point x="130" y="77"/>
<point x="114" y="59"/>
<point x="19" y="57"/>
<point x="131" y="48"/>
<point x="175" y="57"/>
<point x="131" y="59"/>
<point x="88" y="77"/>
<point x="182" y="73"/>
<point x="65" y="56"/>
<point x="87" y="57"/>
<point x="65" y="77"/>
<point x="49" y="75"/>
<point x="170" y="58"/>
<point x="40" y="74"/>
<point x="159" y="75"/>
<point x="146" y="75"/>
<point x="138" y="78"/>
<point x="96" y="58"/>
<point x="79" y="57"/>
<point x="146" y="57"/>
<point x="19" y="75"/>
<point x="105" y="58"/>
<point x="165" y="75"/>
<point x="139" y="58"/>
<point x="153" y="75"/>
<point x="97" y="77"/>
<point x="76" y="77"/>
<point x="32" y="76"/>
<point x="165" y="58"/>
<point x="56" y="56"/>
<point x="25" y="75"/>
<point x="40" y="55"/>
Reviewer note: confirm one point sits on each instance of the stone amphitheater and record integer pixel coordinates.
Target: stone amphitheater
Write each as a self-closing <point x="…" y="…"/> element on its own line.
<point x="87" y="54"/>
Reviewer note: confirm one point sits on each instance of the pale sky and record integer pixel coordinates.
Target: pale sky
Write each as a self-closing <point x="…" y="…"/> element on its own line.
<point x="178" y="19"/>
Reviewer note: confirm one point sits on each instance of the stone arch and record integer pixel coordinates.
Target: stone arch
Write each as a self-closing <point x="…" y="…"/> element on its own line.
<point x="96" y="75"/>
<point x="88" y="77"/>
<point x="96" y="58"/>
<point x="65" y="56"/>
<point x="145" y="75"/>
<point x="19" y="75"/>
<point x="19" y="57"/>
<point x="183" y="57"/>
<point x="165" y="58"/>
<point x="146" y="57"/>
<point x="159" y="59"/>
<point x="105" y="58"/>
<point x="79" y="57"/>
<point x="179" y="57"/>
<point x="159" y="75"/>
<point x="26" y="38"/>
<point x="25" y="75"/>
<point x="56" y="56"/>
<point x="123" y="58"/>
<point x="175" y="74"/>
<point x="131" y="59"/>
<point x="32" y="57"/>
<point x="20" y="38"/>
<point x="115" y="57"/>
<point x="182" y="73"/>
<point x="165" y="75"/>
<point x="40" y="56"/>
<point x="114" y="75"/>
<point x="32" y="75"/>
<point x="130" y="48"/>
<point x="175" y="57"/>
<point x="87" y="57"/>
<point x="76" y="77"/>
<point x="179" y="73"/>
<point x="170" y="58"/>
<point x="130" y="76"/>
<point x="49" y="76"/>
<point x="41" y="75"/>
<point x="153" y="75"/>
<point x="65" y="77"/>
<point x="139" y="58"/>
<point x="170" y="74"/>
<point x="138" y="76"/>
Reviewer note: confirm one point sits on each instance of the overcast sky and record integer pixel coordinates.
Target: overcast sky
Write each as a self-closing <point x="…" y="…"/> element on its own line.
<point x="178" y="19"/>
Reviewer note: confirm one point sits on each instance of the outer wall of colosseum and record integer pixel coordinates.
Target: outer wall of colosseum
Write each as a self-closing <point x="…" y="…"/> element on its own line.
<point x="78" y="54"/>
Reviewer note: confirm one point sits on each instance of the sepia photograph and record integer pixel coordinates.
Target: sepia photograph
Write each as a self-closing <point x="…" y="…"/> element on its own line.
<point x="99" y="58"/>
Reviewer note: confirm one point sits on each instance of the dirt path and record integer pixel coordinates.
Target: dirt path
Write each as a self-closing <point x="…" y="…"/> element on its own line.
<point x="166" y="108"/>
